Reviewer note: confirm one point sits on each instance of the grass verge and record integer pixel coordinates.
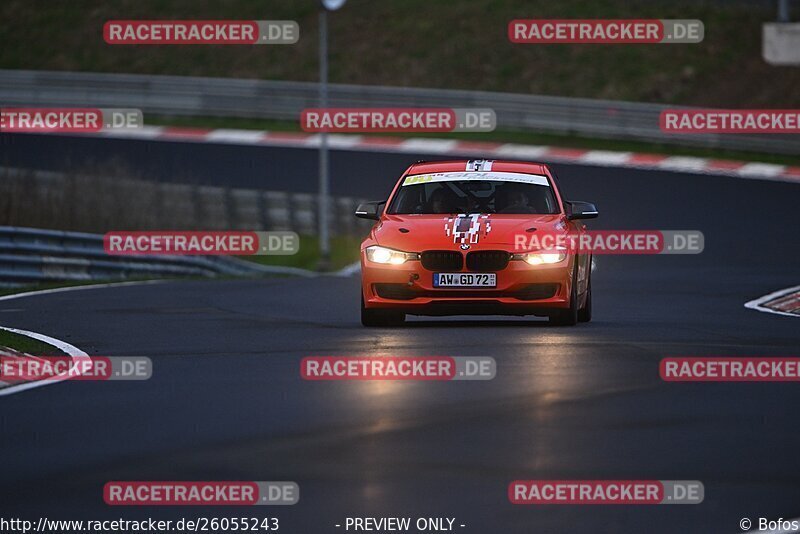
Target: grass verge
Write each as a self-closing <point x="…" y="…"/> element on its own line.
<point x="26" y="344"/>
<point x="344" y="251"/>
<point x="420" y="43"/>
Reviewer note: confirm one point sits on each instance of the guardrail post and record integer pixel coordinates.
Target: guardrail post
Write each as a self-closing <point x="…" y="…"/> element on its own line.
<point x="263" y="212"/>
<point x="291" y="204"/>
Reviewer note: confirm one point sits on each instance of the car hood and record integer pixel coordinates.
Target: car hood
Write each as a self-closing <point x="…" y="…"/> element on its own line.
<point x="413" y="233"/>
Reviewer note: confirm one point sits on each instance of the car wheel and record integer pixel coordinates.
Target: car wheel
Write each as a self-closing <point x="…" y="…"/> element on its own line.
<point x="569" y="316"/>
<point x="585" y="313"/>
<point x="380" y="317"/>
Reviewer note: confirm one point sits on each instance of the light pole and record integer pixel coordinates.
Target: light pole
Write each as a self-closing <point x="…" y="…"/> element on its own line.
<point x="323" y="214"/>
<point x="783" y="10"/>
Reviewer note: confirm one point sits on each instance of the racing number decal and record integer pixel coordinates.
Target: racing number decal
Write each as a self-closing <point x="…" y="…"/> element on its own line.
<point x="467" y="228"/>
<point x="479" y="165"/>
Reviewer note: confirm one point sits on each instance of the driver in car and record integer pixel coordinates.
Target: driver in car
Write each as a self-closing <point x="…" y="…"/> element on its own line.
<point x="517" y="202"/>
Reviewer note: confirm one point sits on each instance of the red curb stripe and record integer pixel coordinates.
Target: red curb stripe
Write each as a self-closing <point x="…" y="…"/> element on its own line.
<point x="786" y="303"/>
<point x="477" y="146"/>
<point x="724" y="164"/>
<point x="564" y="153"/>
<point x="646" y="159"/>
<point x="789" y="307"/>
<point x="792" y="171"/>
<point x="285" y="136"/>
<point x="382" y="141"/>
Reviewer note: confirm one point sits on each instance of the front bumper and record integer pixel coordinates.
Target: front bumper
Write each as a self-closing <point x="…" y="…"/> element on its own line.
<point x="522" y="289"/>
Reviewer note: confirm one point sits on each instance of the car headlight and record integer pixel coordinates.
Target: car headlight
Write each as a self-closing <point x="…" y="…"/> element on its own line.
<point x="542" y="258"/>
<point x="377" y="254"/>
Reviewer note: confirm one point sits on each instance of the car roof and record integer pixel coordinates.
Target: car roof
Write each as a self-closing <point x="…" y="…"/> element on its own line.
<point x="424" y="167"/>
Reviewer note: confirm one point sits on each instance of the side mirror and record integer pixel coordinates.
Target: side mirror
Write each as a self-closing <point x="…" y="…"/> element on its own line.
<point x="577" y="209"/>
<point x="370" y="210"/>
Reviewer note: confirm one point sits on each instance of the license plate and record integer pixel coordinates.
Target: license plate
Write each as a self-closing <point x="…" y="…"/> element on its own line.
<point x="464" y="280"/>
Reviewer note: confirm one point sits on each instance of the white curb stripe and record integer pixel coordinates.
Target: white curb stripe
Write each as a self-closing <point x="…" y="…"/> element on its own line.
<point x="604" y="157"/>
<point x="350" y="270"/>
<point x="511" y="150"/>
<point x="145" y="132"/>
<point x="15" y="296"/>
<point x="78" y="356"/>
<point x="334" y="140"/>
<point x="761" y="169"/>
<point x="440" y="146"/>
<point x="683" y="163"/>
<point x="236" y="137"/>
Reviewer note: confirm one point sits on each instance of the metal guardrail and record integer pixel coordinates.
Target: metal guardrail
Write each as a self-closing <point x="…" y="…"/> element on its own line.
<point x="32" y="255"/>
<point x="40" y="198"/>
<point x="194" y="96"/>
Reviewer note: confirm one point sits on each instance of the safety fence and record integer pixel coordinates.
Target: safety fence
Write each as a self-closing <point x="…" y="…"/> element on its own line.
<point x="33" y="256"/>
<point x="107" y="200"/>
<point x="33" y="203"/>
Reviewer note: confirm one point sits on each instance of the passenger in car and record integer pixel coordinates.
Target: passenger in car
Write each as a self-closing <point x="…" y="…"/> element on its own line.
<point x="517" y="202"/>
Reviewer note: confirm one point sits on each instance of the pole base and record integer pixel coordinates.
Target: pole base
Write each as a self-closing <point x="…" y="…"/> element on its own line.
<point x="324" y="264"/>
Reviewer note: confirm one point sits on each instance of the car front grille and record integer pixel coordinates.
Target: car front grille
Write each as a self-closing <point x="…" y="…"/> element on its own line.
<point x="395" y="291"/>
<point x="406" y="292"/>
<point x="442" y="260"/>
<point x="537" y="292"/>
<point x="488" y="260"/>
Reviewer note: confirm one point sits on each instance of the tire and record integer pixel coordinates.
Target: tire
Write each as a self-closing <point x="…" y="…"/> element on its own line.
<point x="569" y="316"/>
<point x="585" y="313"/>
<point x="372" y="318"/>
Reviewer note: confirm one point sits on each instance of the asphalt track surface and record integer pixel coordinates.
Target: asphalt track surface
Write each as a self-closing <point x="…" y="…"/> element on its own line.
<point x="226" y="401"/>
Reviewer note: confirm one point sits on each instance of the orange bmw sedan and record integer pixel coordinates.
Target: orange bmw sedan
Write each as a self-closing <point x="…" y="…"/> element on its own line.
<point x="455" y="238"/>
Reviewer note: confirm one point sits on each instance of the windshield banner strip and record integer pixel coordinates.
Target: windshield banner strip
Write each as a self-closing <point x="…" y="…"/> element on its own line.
<point x="476" y="176"/>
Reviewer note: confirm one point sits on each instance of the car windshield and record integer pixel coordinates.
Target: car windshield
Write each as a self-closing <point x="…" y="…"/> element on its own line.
<point x="430" y="194"/>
